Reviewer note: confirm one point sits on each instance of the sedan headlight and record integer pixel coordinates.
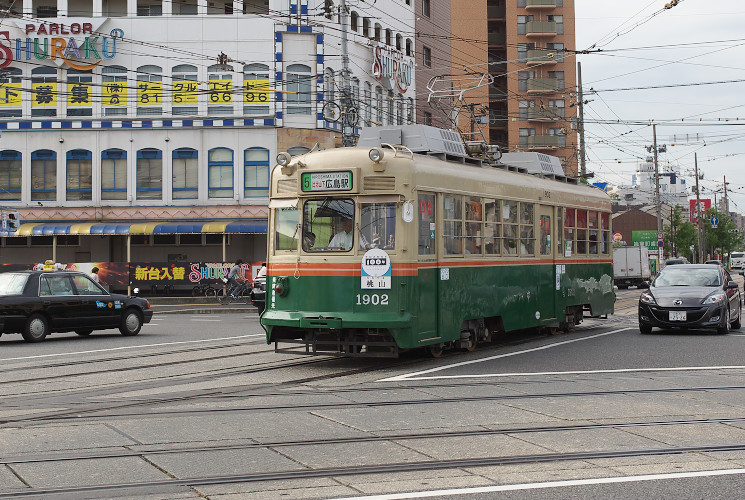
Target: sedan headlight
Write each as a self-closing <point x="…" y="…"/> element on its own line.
<point x="647" y="298"/>
<point x="715" y="298"/>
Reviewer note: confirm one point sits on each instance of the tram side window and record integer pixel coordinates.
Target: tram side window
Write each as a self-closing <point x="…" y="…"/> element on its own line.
<point x="605" y="228"/>
<point x="286" y="229"/>
<point x="453" y="224"/>
<point x="492" y="228"/>
<point x="426" y="224"/>
<point x="592" y="232"/>
<point x="509" y="227"/>
<point x="474" y="218"/>
<point x="559" y="232"/>
<point x="527" y="229"/>
<point x="569" y="222"/>
<point x="378" y="224"/>
<point x="581" y="232"/>
<point x="328" y="226"/>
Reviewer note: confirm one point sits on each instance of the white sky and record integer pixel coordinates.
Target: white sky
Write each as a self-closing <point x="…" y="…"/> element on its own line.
<point x="704" y="42"/>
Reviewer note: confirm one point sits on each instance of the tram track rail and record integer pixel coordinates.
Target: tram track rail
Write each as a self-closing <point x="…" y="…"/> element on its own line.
<point x="145" y="451"/>
<point x="126" y="489"/>
<point x="83" y="412"/>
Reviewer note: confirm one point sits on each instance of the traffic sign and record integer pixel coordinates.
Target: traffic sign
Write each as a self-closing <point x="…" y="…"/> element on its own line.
<point x="659" y="236"/>
<point x="714" y="221"/>
<point x="660" y="244"/>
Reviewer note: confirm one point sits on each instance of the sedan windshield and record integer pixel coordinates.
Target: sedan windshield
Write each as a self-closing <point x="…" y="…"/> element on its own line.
<point x="676" y="276"/>
<point x="12" y="283"/>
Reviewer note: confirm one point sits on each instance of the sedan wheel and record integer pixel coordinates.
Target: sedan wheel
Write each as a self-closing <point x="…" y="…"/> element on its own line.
<point x="131" y="323"/>
<point x="37" y="327"/>
<point x="84" y="332"/>
<point x="724" y="329"/>
<point x="736" y="324"/>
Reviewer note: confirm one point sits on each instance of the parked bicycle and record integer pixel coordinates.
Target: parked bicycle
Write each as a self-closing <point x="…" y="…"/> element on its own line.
<point x="240" y="294"/>
<point x="204" y="289"/>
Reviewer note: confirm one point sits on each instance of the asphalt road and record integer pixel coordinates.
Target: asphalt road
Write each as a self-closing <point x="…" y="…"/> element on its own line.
<point x="198" y="406"/>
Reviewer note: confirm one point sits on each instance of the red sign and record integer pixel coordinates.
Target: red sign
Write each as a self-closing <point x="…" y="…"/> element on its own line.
<point x="704" y="205"/>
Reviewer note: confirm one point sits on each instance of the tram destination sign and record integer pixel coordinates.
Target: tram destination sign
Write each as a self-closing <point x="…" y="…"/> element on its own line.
<point x="326" y="181"/>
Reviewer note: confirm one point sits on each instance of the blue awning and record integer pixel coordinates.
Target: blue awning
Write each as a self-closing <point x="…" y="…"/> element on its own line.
<point x="246" y="226"/>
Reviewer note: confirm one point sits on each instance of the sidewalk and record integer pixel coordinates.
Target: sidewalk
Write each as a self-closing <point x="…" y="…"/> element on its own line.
<point x="196" y="305"/>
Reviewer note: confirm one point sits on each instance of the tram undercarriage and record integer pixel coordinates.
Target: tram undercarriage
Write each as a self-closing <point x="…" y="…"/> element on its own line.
<point x="345" y="342"/>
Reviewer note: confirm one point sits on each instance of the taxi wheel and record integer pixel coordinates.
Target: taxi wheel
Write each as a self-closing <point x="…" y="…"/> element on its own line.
<point x="37" y="327"/>
<point x="645" y="329"/>
<point x="131" y="323"/>
<point x="84" y="332"/>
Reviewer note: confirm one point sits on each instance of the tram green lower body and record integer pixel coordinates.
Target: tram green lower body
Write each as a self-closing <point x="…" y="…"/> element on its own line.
<point x="433" y="306"/>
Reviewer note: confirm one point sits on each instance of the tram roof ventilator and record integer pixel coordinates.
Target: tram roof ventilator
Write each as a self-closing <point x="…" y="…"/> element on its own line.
<point x="448" y="145"/>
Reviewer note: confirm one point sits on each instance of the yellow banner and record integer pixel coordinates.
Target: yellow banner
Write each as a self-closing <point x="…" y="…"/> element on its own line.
<point x="149" y="93"/>
<point x="221" y="91"/>
<point x="185" y="92"/>
<point x="79" y="94"/>
<point x="44" y="95"/>
<point x="10" y="95"/>
<point x="115" y="94"/>
<point x="256" y="91"/>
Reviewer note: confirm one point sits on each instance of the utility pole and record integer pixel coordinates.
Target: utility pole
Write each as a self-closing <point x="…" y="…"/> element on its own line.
<point x="699" y="220"/>
<point x="657" y="188"/>
<point x="726" y="201"/>
<point x="581" y="123"/>
<point x="347" y="133"/>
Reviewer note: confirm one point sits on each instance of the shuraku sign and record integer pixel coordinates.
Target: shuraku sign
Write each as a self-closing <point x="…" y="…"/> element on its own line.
<point x="71" y="40"/>
<point x="391" y="68"/>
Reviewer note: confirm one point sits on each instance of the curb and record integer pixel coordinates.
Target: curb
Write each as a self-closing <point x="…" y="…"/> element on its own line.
<point x="203" y="310"/>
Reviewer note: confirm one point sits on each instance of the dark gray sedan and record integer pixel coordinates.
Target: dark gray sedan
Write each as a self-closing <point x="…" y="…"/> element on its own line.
<point x="691" y="296"/>
<point x="37" y="303"/>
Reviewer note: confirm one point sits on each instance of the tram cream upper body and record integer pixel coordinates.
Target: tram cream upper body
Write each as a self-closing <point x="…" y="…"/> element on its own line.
<point x="400" y="175"/>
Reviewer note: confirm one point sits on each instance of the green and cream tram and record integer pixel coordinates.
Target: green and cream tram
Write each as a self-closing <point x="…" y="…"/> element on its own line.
<point x="374" y="250"/>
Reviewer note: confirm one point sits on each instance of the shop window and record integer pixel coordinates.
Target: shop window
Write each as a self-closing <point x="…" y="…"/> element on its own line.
<point x="185" y="8"/>
<point x="79" y="169"/>
<point x="256" y="89"/>
<point x="256" y="172"/>
<point x="43" y="175"/>
<point x="114" y="174"/>
<point x="220" y="83"/>
<point x="255" y="6"/>
<point x="149" y="174"/>
<point x="11" y="93"/>
<point x="44" y="91"/>
<point x="185" y="174"/>
<point x="220" y="173"/>
<point x="149" y="90"/>
<point x="299" y="81"/>
<point x="10" y="175"/>
<point x="185" y="90"/>
<point x="114" y="90"/>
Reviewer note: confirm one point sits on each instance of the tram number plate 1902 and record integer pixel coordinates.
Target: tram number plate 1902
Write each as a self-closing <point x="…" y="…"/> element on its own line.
<point x="677" y="315"/>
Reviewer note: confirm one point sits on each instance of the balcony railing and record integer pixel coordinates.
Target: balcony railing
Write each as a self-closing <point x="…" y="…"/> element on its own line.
<point x="543" y="56"/>
<point x="540" y="4"/>
<point x="543" y="142"/>
<point x="540" y="28"/>
<point x="544" y="85"/>
<point x="545" y="114"/>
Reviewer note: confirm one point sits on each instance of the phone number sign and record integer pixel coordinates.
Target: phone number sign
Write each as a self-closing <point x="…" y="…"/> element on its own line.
<point x="326" y="181"/>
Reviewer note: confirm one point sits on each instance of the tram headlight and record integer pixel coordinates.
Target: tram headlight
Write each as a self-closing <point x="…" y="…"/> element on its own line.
<point x="376" y="154"/>
<point x="284" y="159"/>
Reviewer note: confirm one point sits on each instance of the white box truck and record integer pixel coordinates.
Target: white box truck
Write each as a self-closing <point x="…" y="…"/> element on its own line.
<point x="737" y="260"/>
<point x="631" y="267"/>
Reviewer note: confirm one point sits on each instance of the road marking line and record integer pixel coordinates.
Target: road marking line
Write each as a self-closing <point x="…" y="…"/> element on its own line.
<point x="415" y="375"/>
<point x="41" y="356"/>
<point x="549" y="484"/>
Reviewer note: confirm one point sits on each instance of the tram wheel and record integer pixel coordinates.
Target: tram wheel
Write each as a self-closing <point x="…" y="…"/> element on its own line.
<point x="435" y="350"/>
<point x="472" y="340"/>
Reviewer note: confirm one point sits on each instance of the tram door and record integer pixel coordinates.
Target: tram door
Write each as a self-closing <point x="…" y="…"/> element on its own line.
<point x="428" y="276"/>
<point x="548" y="280"/>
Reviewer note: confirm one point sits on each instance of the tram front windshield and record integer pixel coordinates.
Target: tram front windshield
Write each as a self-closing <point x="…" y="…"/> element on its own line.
<point x="331" y="225"/>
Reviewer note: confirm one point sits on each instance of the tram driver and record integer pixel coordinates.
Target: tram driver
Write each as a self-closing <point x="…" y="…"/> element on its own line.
<point x="344" y="238"/>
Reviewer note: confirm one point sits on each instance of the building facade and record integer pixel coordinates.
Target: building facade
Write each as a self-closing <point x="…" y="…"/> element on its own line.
<point x="146" y="129"/>
<point x="534" y="93"/>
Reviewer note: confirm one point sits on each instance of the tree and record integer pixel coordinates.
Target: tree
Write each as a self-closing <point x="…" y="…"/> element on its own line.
<point x="722" y="239"/>
<point x="679" y="236"/>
